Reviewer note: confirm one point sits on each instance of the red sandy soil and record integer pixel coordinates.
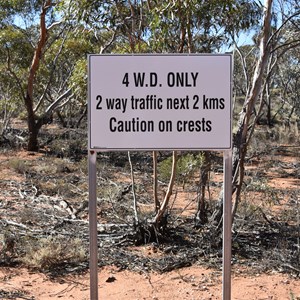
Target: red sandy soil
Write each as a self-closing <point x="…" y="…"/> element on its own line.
<point x="194" y="282"/>
<point x="187" y="283"/>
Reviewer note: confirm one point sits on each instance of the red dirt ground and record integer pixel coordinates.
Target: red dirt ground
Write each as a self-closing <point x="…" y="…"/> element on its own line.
<point x="194" y="282"/>
<point x="187" y="283"/>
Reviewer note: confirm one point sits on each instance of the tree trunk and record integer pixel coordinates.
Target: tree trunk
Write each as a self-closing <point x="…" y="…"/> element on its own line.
<point x="33" y="126"/>
<point x="155" y="182"/>
<point x="241" y="140"/>
<point x="161" y="213"/>
<point x="201" y="214"/>
<point x="33" y="138"/>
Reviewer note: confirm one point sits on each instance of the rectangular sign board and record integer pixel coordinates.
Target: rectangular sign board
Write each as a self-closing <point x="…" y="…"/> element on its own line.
<point x="160" y="102"/>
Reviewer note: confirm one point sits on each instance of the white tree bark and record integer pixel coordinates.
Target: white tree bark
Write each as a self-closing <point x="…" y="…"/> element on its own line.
<point x="242" y="136"/>
<point x="241" y="139"/>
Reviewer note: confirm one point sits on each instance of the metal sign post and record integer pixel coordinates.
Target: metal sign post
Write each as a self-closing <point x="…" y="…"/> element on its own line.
<point x="93" y="226"/>
<point x="227" y="171"/>
<point x="227" y="192"/>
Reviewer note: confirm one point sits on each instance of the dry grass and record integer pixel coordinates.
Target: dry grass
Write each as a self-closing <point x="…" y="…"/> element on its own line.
<point x="19" y="165"/>
<point x="51" y="252"/>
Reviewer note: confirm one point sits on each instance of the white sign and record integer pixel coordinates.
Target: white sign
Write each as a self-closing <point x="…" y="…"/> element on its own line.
<point x="152" y="102"/>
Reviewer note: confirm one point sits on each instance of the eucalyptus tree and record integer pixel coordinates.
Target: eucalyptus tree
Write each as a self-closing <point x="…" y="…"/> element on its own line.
<point x="272" y="48"/>
<point x="241" y="140"/>
<point x="179" y="26"/>
<point x="14" y="49"/>
<point x="165" y="26"/>
<point x="288" y="80"/>
<point x="197" y="27"/>
<point x="12" y="42"/>
<point x="24" y="45"/>
<point x="285" y="61"/>
<point x="190" y="26"/>
<point x="38" y="56"/>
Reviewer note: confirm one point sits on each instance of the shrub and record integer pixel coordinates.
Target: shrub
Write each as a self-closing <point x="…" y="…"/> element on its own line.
<point x="19" y="165"/>
<point x="53" y="251"/>
<point x="186" y="166"/>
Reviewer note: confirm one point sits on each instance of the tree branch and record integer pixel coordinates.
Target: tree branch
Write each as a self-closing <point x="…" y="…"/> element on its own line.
<point x="164" y="205"/>
<point x="10" y="70"/>
<point x="37" y="53"/>
<point x="51" y="75"/>
<point x="282" y="25"/>
<point x="56" y="103"/>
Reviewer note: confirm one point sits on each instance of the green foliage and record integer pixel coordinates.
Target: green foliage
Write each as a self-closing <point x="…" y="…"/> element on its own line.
<point x="125" y="27"/>
<point x="19" y="11"/>
<point x="78" y="79"/>
<point x="189" y="22"/>
<point x="7" y="106"/>
<point x="15" y="47"/>
<point x="186" y="166"/>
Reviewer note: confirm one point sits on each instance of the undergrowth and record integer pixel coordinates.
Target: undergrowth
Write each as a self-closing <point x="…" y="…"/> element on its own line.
<point x="51" y="252"/>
